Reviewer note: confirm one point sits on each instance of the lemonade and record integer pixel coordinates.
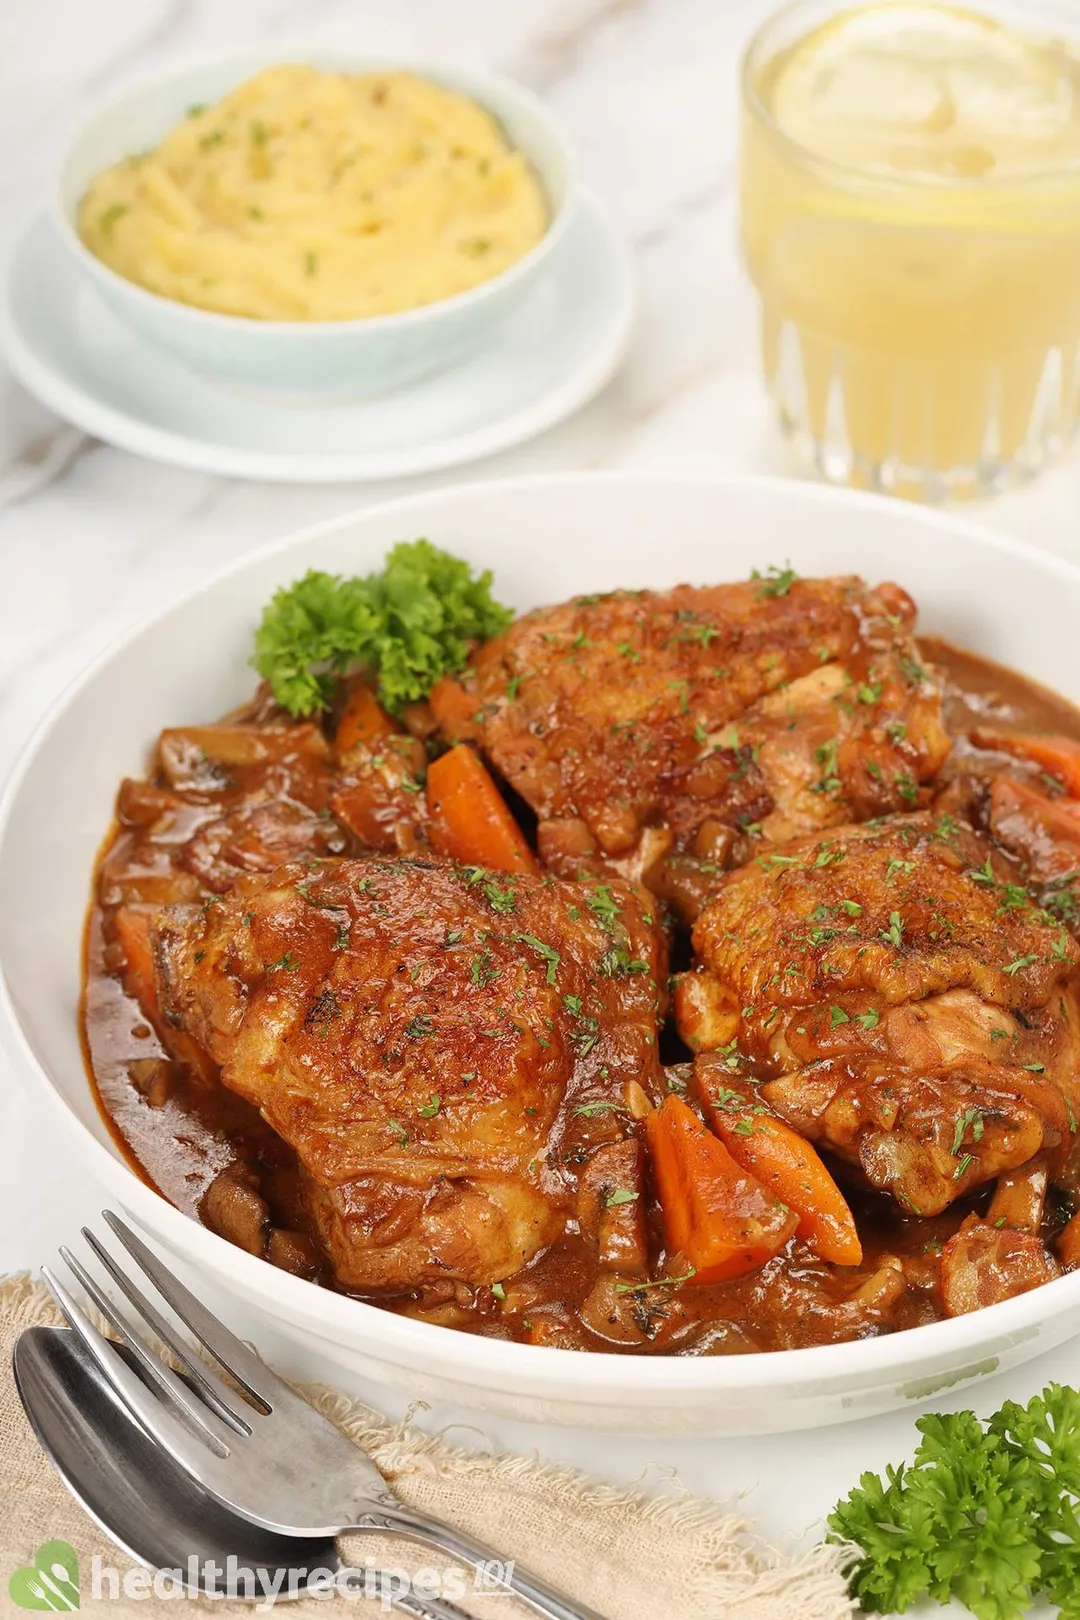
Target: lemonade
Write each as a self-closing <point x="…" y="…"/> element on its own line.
<point x="911" y="219"/>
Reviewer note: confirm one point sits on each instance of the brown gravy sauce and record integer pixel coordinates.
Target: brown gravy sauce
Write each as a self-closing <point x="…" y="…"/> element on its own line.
<point x="181" y="1143"/>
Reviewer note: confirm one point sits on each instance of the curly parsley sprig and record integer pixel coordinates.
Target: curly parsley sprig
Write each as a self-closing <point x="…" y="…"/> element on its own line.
<point x="986" y="1513"/>
<point x="410" y="623"/>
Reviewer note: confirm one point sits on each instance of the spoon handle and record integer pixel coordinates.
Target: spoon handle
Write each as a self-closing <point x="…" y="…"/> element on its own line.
<point x="396" y="1519"/>
<point x="426" y="1607"/>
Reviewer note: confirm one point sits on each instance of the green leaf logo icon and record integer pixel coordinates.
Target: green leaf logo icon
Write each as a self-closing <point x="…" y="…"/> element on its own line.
<point x="50" y="1582"/>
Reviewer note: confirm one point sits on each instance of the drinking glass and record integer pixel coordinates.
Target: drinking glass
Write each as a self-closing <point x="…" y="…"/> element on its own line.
<point x="910" y="214"/>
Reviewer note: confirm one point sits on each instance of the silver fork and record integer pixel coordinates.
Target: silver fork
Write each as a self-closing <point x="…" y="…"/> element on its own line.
<point x="276" y="1462"/>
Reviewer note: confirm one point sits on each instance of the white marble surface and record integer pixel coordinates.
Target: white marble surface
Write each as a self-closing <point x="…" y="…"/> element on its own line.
<point x="647" y="89"/>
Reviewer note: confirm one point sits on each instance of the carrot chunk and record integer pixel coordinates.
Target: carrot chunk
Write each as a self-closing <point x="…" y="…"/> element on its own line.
<point x="132" y="924"/>
<point x="1044" y="832"/>
<point x="469" y="818"/>
<point x="784" y="1162"/>
<point x="723" y="1221"/>
<point x="1058" y="756"/>
<point x="363" y="720"/>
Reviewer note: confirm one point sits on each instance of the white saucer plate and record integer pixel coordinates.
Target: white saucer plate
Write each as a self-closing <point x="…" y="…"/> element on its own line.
<point x="551" y="359"/>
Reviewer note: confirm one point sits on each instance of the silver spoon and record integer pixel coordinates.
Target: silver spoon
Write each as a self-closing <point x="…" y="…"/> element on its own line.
<point x="143" y="1501"/>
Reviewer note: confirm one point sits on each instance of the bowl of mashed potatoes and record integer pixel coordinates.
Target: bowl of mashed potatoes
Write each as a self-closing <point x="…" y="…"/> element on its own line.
<point x="325" y="225"/>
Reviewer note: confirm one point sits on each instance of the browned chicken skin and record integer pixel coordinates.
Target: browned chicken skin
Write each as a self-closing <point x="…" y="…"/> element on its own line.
<point x="907" y="1006"/>
<point x="454" y="1067"/>
<point x="443" y="1047"/>
<point x="642" y="724"/>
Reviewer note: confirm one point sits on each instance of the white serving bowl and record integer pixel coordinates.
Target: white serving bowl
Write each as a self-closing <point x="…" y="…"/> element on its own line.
<point x="545" y="538"/>
<point x="331" y="359"/>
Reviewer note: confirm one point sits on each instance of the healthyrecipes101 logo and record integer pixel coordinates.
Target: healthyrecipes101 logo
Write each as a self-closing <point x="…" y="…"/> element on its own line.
<point x="50" y="1582"/>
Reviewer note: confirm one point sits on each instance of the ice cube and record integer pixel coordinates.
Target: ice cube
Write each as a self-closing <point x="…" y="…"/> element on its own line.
<point x="910" y="89"/>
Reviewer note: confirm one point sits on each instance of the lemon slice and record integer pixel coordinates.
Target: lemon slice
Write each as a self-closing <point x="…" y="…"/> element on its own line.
<point x="930" y="91"/>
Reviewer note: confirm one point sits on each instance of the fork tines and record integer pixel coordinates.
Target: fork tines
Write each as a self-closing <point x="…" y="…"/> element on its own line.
<point x="203" y="1407"/>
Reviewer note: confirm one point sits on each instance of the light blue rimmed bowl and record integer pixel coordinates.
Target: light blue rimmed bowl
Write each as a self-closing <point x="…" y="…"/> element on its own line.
<point x="317" y="359"/>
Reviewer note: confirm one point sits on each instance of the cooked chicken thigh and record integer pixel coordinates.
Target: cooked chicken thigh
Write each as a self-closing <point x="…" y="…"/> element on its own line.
<point x="905" y="1004"/>
<point x="442" y="1046"/>
<point x="649" y="728"/>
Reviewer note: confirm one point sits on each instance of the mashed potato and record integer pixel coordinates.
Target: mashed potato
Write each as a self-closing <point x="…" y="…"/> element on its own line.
<point x="313" y="196"/>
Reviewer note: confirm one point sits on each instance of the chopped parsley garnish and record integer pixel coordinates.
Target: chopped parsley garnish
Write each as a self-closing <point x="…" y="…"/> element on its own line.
<point x="970" y="1117"/>
<point x="732" y="1102"/>
<point x="431" y="1108"/>
<point x="549" y="954"/>
<point x="617" y="961"/>
<point x="1060" y="898"/>
<point x="774" y="862"/>
<point x="1013" y="968"/>
<point x="898" y="869"/>
<point x="482" y="970"/>
<point x="620" y="1196"/>
<point x="419" y="1026"/>
<point x="775" y="581"/>
<point x="827" y="757"/>
<point x="109" y="216"/>
<point x="499" y="899"/>
<point x="287" y="963"/>
<point x="894" y="934"/>
<point x="584" y="1038"/>
<point x="603" y="904"/>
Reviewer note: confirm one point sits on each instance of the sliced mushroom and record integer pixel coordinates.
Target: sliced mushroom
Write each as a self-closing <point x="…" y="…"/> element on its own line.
<point x="234" y="1208"/>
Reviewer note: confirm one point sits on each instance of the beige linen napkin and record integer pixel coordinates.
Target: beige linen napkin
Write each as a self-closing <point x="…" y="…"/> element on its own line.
<point x="631" y="1555"/>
